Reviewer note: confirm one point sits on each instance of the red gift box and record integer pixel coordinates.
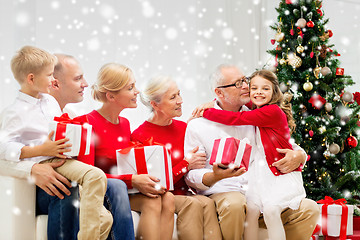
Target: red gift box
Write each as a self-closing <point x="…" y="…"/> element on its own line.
<point x="339" y="71"/>
<point x="154" y="160"/>
<point x="77" y="130"/>
<point x="231" y="152"/>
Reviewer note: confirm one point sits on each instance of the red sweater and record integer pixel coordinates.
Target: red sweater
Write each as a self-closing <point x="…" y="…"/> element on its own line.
<point x="106" y="139"/>
<point x="172" y="136"/>
<point x="272" y="123"/>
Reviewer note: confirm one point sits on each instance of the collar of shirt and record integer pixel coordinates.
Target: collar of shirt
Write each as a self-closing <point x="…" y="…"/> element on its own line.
<point x="29" y="99"/>
<point x="243" y="108"/>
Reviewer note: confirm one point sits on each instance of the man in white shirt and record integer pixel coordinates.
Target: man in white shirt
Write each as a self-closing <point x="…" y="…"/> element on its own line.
<point x="227" y="186"/>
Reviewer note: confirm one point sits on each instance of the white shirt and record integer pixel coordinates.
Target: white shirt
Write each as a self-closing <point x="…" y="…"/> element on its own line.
<point x="26" y="123"/>
<point x="202" y="132"/>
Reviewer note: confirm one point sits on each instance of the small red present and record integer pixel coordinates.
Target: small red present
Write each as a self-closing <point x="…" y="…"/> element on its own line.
<point x="339" y="71"/>
<point x="154" y="160"/>
<point x="231" y="152"/>
<point x="77" y="130"/>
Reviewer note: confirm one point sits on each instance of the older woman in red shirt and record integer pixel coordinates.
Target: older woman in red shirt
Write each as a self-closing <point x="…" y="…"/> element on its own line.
<point x="197" y="218"/>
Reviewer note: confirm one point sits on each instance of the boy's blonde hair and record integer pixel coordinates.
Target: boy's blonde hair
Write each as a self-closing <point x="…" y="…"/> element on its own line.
<point x="30" y="60"/>
<point x="112" y="77"/>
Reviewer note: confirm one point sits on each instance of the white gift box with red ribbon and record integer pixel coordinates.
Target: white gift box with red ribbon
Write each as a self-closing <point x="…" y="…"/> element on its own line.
<point x="231" y="152"/>
<point x="336" y="218"/>
<point x="154" y="160"/>
<point x="77" y="130"/>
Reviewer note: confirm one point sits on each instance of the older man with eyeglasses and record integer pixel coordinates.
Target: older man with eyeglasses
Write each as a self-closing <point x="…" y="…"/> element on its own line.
<point x="227" y="186"/>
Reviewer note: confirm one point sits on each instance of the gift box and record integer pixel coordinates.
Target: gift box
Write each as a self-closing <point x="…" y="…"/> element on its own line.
<point x="154" y="160"/>
<point x="77" y="130"/>
<point x="231" y="152"/>
<point x="336" y="218"/>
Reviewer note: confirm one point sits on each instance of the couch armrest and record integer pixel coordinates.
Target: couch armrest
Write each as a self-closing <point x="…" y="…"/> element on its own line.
<point x="17" y="208"/>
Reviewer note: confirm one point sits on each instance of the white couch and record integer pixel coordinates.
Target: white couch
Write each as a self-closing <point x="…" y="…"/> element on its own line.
<point x="17" y="209"/>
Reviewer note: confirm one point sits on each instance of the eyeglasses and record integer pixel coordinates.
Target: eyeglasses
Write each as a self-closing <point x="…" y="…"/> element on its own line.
<point x="238" y="84"/>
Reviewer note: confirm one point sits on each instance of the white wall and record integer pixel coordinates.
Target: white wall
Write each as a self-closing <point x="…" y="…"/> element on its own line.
<point x="186" y="39"/>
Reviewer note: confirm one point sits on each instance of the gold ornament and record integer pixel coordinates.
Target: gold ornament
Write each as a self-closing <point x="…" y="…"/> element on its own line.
<point x="328" y="107"/>
<point x="334" y="148"/>
<point x="317" y="72"/>
<point x="301" y="23"/>
<point x="282" y="61"/>
<point x="294" y="61"/>
<point x="308" y="86"/>
<point x="347" y="97"/>
<point x="325" y="71"/>
<point x="279" y="36"/>
<point x="300" y="49"/>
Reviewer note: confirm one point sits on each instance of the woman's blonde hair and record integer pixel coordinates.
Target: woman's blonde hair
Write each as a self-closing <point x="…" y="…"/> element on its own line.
<point x="155" y="89"/>
<point x="30" y="60"/>
<point x="112" y="77"/>
<point x="278" y="97"/>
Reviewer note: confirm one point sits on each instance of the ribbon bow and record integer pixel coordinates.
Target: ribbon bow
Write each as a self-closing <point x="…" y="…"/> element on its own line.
<point x="147" y="142"/>
<point x="344" y="215"/>
<point x="66" y="119"/>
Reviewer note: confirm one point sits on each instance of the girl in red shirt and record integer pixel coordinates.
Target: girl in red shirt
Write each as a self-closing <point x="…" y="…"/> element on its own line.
<point x="269" y="190"/>
<point x="115" y="88"/>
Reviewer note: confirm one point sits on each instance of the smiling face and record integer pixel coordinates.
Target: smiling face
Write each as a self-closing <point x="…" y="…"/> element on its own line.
<point x="261" y="91"/>
<point x="127" y="96"/>
<point x="42" y="81"/>
<point x="170" y="103"/>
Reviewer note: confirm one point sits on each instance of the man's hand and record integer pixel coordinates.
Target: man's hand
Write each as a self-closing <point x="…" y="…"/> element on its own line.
<point x="148" y="185"/>
<point x="291" y="161"/>
<point x="219" y="173"/>
<point x="49" y="180"/>
<point x="196" y="160"/>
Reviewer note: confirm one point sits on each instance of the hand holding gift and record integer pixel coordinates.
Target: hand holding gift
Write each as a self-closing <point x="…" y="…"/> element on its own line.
<point x="55" y="148"/>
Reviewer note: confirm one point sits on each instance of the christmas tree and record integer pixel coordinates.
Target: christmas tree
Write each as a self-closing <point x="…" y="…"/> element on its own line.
<point x="326" y="115"/>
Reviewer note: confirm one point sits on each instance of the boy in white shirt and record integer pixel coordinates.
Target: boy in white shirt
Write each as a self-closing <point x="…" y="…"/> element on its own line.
<point x="23" y="137"/>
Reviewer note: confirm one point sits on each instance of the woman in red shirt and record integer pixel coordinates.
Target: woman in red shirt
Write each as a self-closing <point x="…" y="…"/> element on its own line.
<point x="196" y="214"/>
<point x="115" y="88"/>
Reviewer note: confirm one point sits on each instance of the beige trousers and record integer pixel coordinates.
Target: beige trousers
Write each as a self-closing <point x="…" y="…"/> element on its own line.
<point x="196" y="218"/>
<point x="95" y="220"/>
<point x="231" y="208"/>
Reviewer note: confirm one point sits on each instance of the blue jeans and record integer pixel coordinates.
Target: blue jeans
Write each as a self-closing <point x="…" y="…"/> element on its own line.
<point x="117" y="202"/>
<point x="63" y="214"/>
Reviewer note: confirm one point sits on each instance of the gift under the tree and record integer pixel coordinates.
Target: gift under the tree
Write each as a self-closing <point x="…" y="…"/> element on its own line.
<point x="77" y="130"/>
<point x="336" y="218"/>
<point x="231" y="152"/>
<point x="154" y="160"/>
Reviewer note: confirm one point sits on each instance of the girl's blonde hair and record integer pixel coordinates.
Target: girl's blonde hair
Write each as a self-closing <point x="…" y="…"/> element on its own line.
<point x="154" y="90"/>
<point x="30" y="60"/>
<point x="278" y="97"/>
<point x="112" y="77"/>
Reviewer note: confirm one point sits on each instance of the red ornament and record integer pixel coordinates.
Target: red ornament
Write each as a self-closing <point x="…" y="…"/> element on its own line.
<point x="288" y="2"/>
<point x="330" y="33"/>
<point x="292" y="32"/>
<point x="319" y="12"/>
<point x="317" y="101"/>
<point x="357" y="97"/>
<point x="339" y="71"/>
<point x="311" y="133"/>
<point x="310" y="24"/>
<point x="311" y="54"/>
<point x="278" y="48"/>
<point x="351" y="142"/>
<point x="300" y="32"/>
<point x="272" y="41"/>
<point x="358" y="123"/>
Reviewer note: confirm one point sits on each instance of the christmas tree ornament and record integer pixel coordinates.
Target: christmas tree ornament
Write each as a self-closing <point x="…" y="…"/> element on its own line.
<point x="325" y="71"/>
<point x="320" y="12"/>
<point x="358" y="123"/>
<point x="300" y="49"/>
<point x="322" y="129"/>
<point x="345" y="119"/>
<point x="334" y="148"/>
<point x="282" y="61"/>
<point x="308" y="86"/>
<point x="317" y="101"/>
<point x="329" y="32"/>
<point x="279" y="36"/>
<point x="294" y="60"/>
<point x="272" y="41"/>
<point x="317" y="72"/>
<point x="301" y="23"/>
<point x="288" y="2"/>
<point x="296" y="12"/>
<point x="347" y="97"/>
<point x="311" y="54"/>
<point x="328" y="107"/>
<point x="339" y="72"/>
<point x="284" y="87"/>
<point x="323" y="51"/>
<point x="357" y="97"/>
<point x="311" y="133"/>
<point x="310" y="24"/>
<point x="351" y="142"/>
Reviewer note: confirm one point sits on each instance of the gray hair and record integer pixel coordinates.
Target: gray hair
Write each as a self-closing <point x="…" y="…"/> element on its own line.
<point x="154" y="90"/>
<point x="217" y="78"/>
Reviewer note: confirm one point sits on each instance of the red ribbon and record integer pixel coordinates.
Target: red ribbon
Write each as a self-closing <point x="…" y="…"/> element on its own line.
<point x="344" y="215"/>
<point x="61" y="129"/>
